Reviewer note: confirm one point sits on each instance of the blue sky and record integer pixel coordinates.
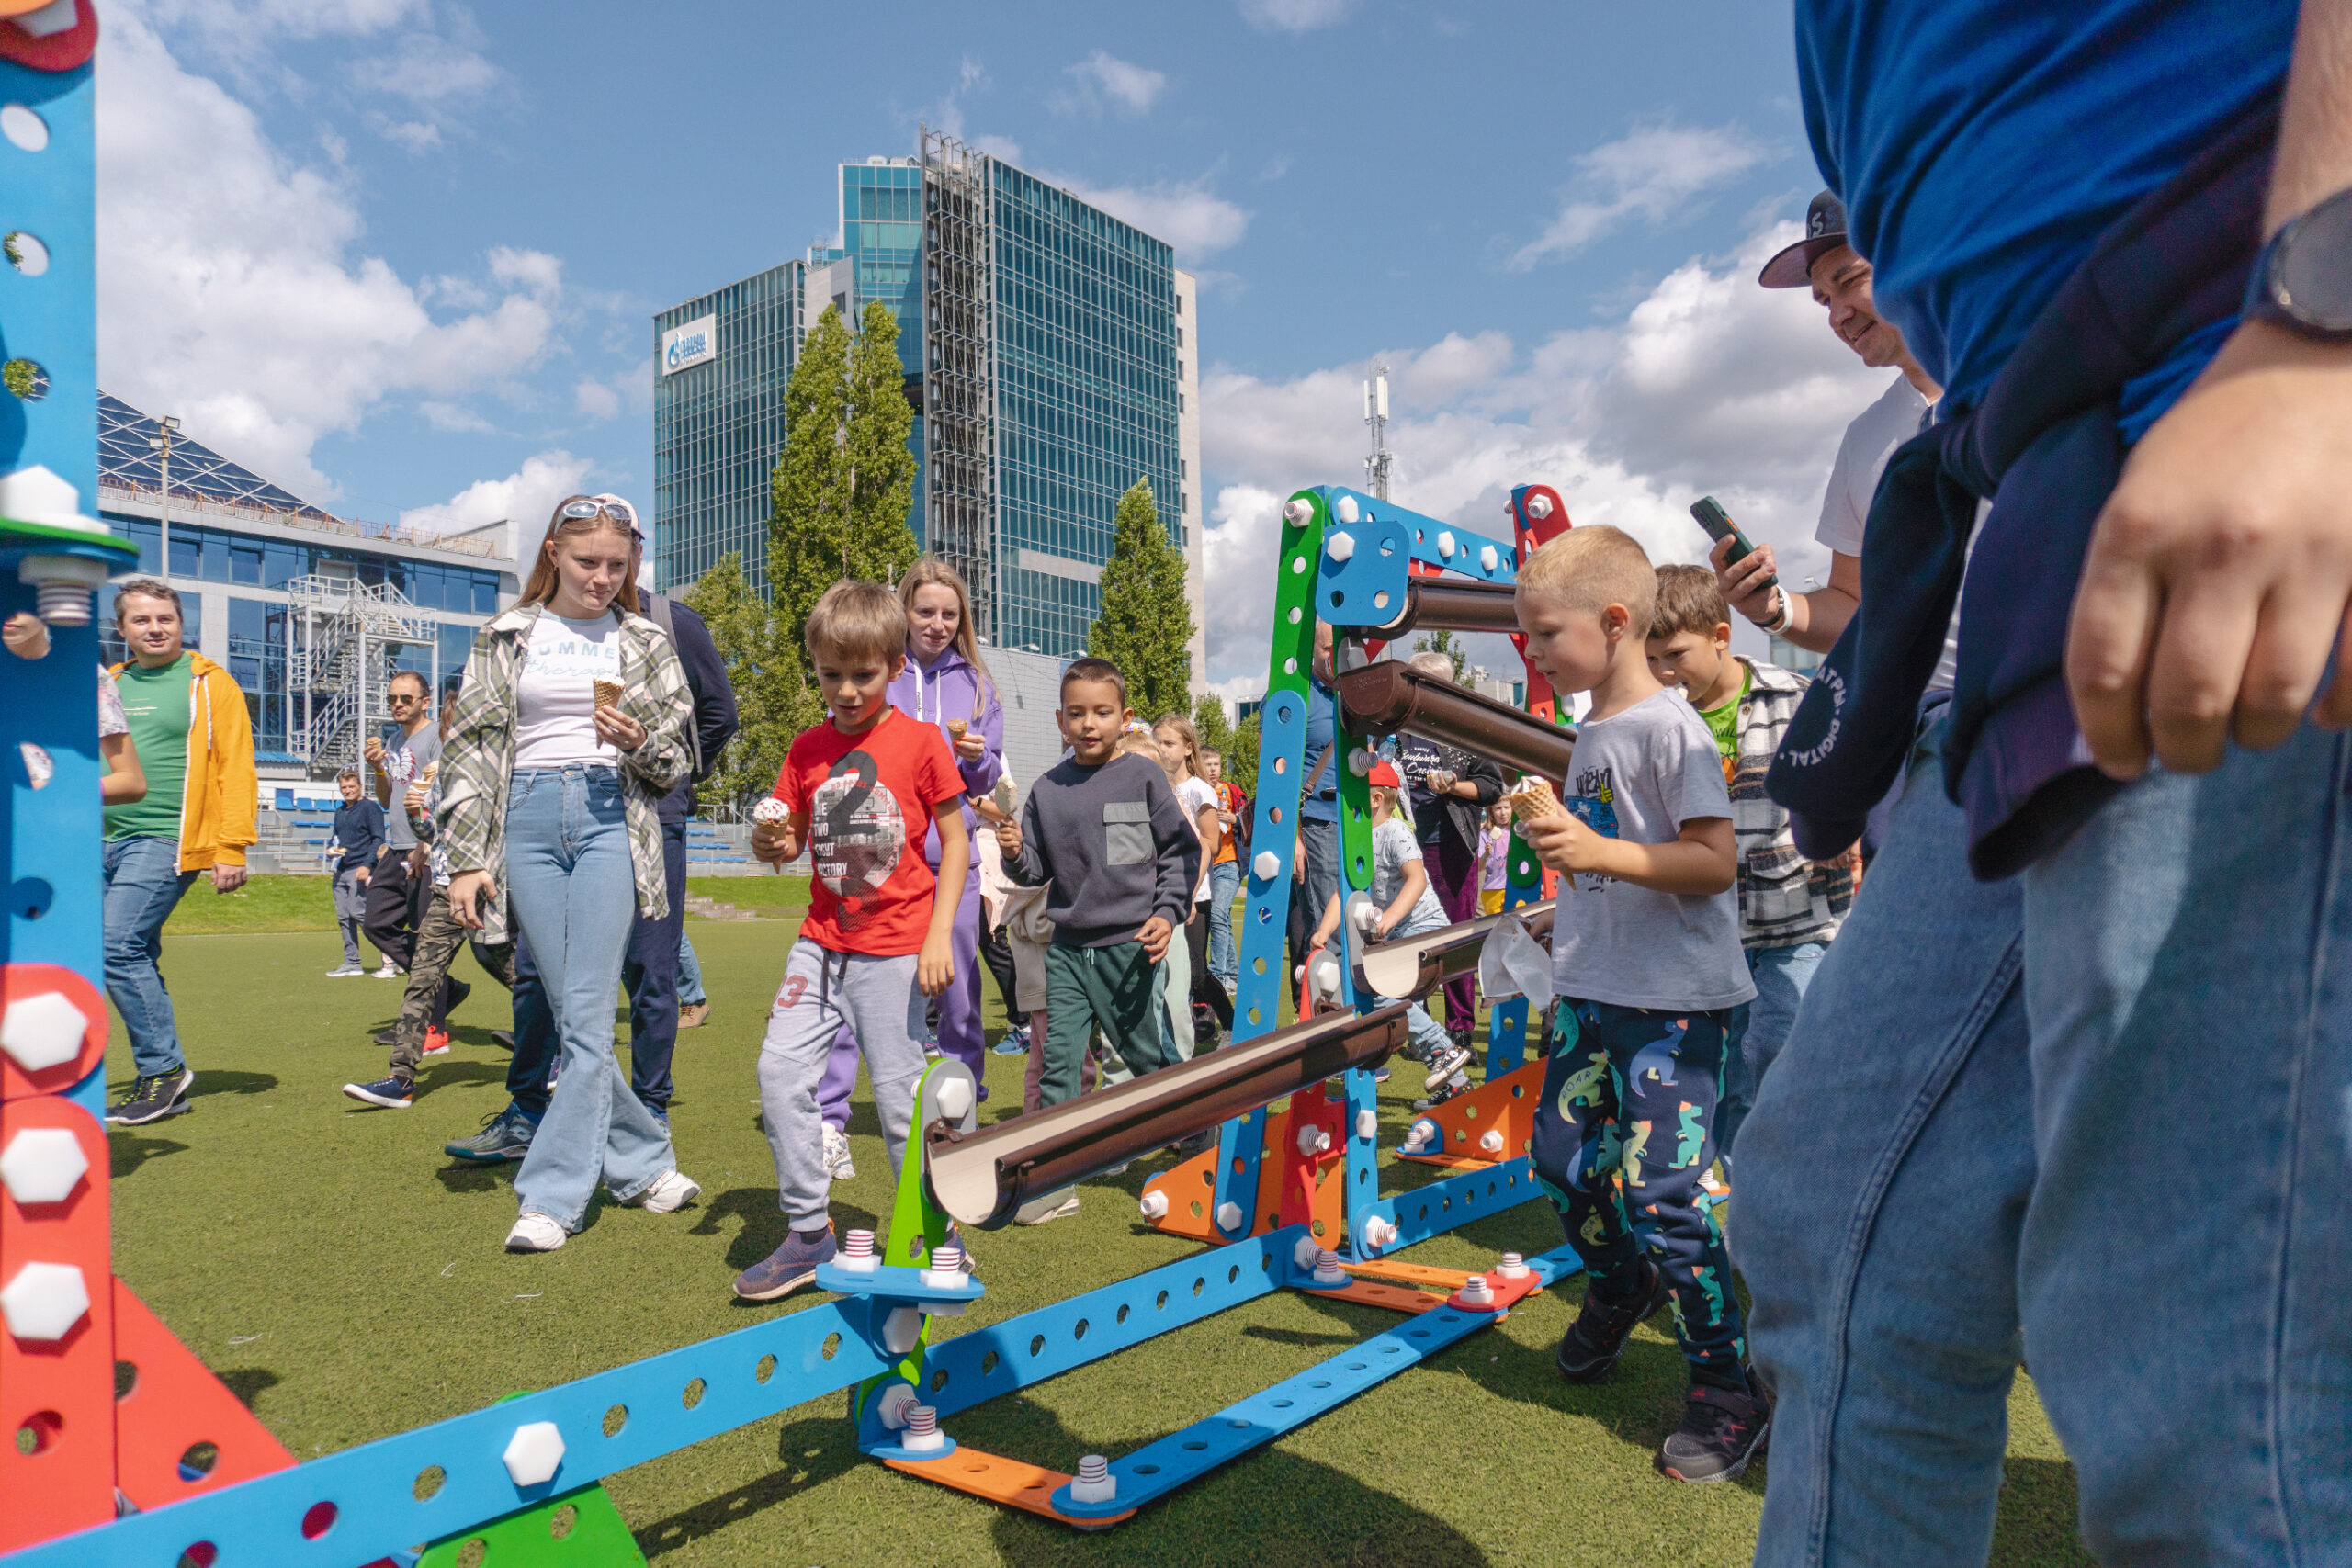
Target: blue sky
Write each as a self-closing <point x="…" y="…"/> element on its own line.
<point x="401" y="254"/>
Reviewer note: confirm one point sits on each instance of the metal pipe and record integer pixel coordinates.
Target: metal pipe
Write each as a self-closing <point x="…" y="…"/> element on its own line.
<point x="1387" y="696"/>
<point x="1411" y="966"/>
<point x="981" y="1177"/>
<point x="1452" y="605"/>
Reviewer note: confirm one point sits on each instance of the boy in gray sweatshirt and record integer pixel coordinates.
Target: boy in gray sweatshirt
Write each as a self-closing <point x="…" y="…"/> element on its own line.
<point x="1107" y="839"/>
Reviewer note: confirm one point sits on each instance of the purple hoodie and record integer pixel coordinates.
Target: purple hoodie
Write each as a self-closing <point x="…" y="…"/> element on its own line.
<point x="951" y="688"/>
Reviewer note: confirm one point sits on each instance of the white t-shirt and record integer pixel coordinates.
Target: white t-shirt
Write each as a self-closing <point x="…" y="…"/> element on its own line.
<point x="1393" y="847"/>
<point x="1899" y="414"/>
<point x="557" y="697"/>
<point x="1192" y="794"/>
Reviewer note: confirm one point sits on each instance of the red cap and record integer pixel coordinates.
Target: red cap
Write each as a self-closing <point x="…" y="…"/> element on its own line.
<point x="1382" y="773"/>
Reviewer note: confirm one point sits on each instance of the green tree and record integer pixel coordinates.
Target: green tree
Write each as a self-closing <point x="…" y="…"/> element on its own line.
<point x="1447" y="644"/>
<point x="1237" y="743"/>
<point x="1145" y="625"/>
<point x="774" y="699"/>
<point x="840" y="490"/>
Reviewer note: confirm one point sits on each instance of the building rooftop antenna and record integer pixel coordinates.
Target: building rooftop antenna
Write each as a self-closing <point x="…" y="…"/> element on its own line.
<point x="1376" y="414"/>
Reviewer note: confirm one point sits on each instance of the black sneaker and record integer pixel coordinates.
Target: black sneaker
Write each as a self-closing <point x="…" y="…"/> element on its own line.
<point x="1590" y="1349"/>
<point x="1721" y="1432"/>
<point x="458" y="991"/>
<point x="391" y="1092"/>
<point x="385" y="1040"/>
<point x="504" y="1038"/>
<point x="154" y="1098"/>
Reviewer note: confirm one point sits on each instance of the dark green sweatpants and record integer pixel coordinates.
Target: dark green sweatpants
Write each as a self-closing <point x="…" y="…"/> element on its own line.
<point x="1117" y="986"/>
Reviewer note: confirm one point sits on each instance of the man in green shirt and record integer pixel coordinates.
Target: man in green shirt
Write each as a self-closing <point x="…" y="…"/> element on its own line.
<point x="195" y="740"/>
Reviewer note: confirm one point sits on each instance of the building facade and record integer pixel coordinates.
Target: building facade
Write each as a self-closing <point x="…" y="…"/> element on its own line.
<point x="311" y="613"/>
<point x="1051" y="350"/>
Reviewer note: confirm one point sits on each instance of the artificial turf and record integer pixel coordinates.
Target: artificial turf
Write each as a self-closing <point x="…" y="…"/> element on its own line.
<point x="347" y="1281"/>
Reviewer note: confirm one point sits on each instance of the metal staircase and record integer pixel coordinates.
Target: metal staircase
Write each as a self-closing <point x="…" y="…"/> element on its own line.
<point x="339" y="663"/>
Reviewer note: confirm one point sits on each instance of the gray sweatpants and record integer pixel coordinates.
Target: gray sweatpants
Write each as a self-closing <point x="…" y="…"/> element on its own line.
<point x="824" y="992"/>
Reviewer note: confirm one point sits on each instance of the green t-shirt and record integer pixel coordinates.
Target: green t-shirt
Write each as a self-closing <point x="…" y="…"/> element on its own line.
<point x="1724" y="722"/>
<point x="156" y="704"/>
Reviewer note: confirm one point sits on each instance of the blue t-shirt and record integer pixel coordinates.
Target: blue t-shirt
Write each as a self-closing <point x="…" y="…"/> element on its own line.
<point x="1981" y="145"/>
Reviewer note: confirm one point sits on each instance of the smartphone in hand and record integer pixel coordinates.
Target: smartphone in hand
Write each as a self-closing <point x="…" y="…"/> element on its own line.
<point x="1719" y="526"/>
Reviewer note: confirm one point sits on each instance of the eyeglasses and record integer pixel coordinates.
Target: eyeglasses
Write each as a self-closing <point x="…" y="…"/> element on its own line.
<point x="620" y="512"/>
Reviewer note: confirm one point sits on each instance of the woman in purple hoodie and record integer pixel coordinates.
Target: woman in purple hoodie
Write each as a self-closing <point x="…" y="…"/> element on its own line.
<point x="945" y="683"/>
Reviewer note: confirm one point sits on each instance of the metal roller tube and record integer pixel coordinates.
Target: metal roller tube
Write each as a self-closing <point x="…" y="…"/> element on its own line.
<point x="981" y="1177"/>
<point x="1387" y="696"/>
<point x="1454" y="604"/>
<point x="1410" y="968"/>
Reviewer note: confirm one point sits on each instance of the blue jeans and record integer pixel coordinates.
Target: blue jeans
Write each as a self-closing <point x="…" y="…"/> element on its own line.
<point x="690" y="991"/>
<point x="1759" y="1030"/>
<point x="573" y="893"/>
<point x="144" y="884"/>
<point x="1224" y="885"/>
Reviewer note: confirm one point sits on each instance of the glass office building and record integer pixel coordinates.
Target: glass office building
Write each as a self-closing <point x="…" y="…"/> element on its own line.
<point x="1050" y="348"/>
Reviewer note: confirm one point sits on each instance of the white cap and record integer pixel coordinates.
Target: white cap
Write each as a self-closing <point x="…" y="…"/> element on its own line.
<point x="36" y="495"/>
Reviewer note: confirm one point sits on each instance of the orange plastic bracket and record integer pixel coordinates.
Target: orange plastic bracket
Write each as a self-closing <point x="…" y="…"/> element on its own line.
<point x="1190" y="1187"/>
<point x="1371" y="1292"/>
<point x="1028" y="1487"/>
<point x="178" y="1431"/>
<point x="1504" y="1109"/>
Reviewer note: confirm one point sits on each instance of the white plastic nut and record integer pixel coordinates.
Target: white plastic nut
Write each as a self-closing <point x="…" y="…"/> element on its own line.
<point x="1421" y="1134"/>
<point x="1267" y="866"/>
<point x="1487" y="559"/>
<point x="1360" y="762"/>
<point x="1093" y="1481"/>
<point x="956" y="1100"/>
<point x="45" y="1300"/>
<point x="43" y="1030"/>
<point x="1347" y="509"/>
<point x="922" y="1430"/>
<point x="1445" y="542"/>
<point x="1326" y="1268"/>
<point x="891" y="1408"/>
<point x="1340" y="546"/>
<point x="1367" y="1124"/>
<point x="1490" y="1142"/>
<point x="1378" y="1234"/>
<point x="1476" y="1290"/>
<point x="1155" y="1206"/>
<point x="1300" y="510"/>
<point x="1538" y="507"/>
<point x="1513" y="1266"/>
<point x="901" y="1329"/>
<point x="1313" y="1140"/>
<point x="533" y="1453"/>
<point x="41" y="1165"/>
<point x="1229" y="1216"/>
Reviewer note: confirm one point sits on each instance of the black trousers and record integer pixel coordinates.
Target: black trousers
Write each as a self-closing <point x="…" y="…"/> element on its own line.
<point x="396" y="906"/>
<point x="996" y="952"/>
<point x="1206" y="987"/>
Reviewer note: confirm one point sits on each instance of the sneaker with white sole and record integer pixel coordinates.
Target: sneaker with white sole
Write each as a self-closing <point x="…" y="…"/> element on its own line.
<point x="392" y="1092"/>
<point x="153" y="1096"/>
<point x="391" y="971"/>
<point x="671" y="1191"/>
<point x="536" y="1232"/>
<point x="838" y="1166"/>
<point x="1443" y="1063"/>
<point x="345" y="971"/>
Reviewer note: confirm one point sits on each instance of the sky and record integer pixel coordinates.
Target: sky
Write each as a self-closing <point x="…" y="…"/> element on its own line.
<point x="403" y="256"/>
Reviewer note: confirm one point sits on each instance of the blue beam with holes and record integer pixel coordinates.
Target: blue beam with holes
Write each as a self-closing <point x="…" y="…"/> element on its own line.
<point x="1457" y="1201"/>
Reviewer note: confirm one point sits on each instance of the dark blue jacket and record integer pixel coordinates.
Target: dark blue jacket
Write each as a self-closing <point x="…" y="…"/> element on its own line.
<point x="715" y="720"/>
<point x="359" y="830"/>
<point x="2043" y="443"/>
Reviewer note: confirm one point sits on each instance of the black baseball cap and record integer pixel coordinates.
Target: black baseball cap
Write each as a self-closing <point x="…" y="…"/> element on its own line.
<point x="1825" y="230"/>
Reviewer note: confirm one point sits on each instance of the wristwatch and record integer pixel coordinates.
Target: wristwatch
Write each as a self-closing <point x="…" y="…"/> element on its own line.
<point x="2303" y="276"/>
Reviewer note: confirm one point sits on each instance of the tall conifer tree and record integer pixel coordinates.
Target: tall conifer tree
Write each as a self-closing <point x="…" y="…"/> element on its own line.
<point x="1146" y="624"/>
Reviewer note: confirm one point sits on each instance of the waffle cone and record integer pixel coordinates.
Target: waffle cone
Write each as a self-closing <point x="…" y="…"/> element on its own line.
<point x="608" y="693"/>
<point x="1533" y="799"/>
<point x="955" y="727"/>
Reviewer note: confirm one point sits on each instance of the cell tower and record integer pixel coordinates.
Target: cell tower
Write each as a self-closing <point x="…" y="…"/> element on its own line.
<point x="1376" y="414"/>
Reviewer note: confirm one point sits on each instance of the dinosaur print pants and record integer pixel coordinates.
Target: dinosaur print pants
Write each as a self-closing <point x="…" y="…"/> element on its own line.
<point x="1622" y="1134"/>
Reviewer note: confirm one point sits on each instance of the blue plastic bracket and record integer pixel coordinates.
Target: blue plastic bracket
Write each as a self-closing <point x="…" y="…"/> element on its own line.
<point x="1362" y="572"/>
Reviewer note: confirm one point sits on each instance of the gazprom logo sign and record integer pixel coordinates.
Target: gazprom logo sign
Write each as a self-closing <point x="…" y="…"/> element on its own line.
<point x="692" y="344"/>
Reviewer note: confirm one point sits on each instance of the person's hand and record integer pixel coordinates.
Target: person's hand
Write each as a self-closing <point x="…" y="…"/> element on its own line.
<point x="414" y="799"/>
<point x="1381" y="926"/>
<point x="466" y="890"/>
<point x="25" y="635"/>
<point x="360" y="875"/>
<point x="775" y="843"/>
<point x="2218" y="570"/>
<point x="935" y="965"/>
<point x="375" y="750"/>
<point x="227" y="879"/>
<point x="616" y="729"/>
<point x="1563" y="844"/>
<point x="971" y="746"/>
<point x="1007" y="837"/>
<point x="1154" y="937"/>
<point x="1743" y="584"/>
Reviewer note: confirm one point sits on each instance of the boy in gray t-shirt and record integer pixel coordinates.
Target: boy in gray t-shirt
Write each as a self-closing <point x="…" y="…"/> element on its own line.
<point x="1651" y="979"/>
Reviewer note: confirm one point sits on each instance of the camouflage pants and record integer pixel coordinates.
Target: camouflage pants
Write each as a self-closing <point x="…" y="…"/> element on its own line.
<point x="437" y="940"/>
<point x="1622" y="1134"/>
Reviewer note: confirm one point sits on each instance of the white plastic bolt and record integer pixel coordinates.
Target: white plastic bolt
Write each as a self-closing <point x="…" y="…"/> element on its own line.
<point x="1324" y="979"/>
<point x="1340" y="546"/>
<point x="45" y="1300"/>
<point x="1490" y="1142"/>
<point x="1326" y="1269"/>
<point x="1267" y="865"/>
<point x="1476" y="1292"/>
<point x="1092" y="1483"/>
<point x="1300" y="510"/>
<point x="1378" y="1234"/>
<point x="1347" y="509"/>
<point x="1155" y="1205"/>
<point x="1445" y="543"/>
<point x="1421" y="1134"/>
<point x="1367" y="1124"/>
<point x="857" y="1256"/>
<point x="1514" y="1266"/>
<point x="62" y="585"/>
<point x="1229" y="1216"/>
<point x="891" y="1408"/>
<point x="40" y="1032"/>
<point x="954" y="1099"/>
<point x="900" y="1329"/>
<point x="946" y="1271"/>
<point x="533" y="1453"/>
<point x="41" y="1165"/>
<point x="1538" y="507"/>
<point x="1360" y="761"/>
<point x="922" y="1430"/>
<point x="1487" y="559"/>
<point x="1313" y="1140"/>
<point x="1305" y="1254"/>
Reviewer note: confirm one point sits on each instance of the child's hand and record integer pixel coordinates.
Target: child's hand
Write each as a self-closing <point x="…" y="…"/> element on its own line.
<point x="774" y="842"/>
<point x="1007" y="837"/>
<point x="26" y="635"/>
<point x="1563" y="844"/>
<point x="1154" y="937"/>
<point x="936" y="967"/>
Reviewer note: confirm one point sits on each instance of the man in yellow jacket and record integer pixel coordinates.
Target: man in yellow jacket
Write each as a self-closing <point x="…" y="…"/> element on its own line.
<point x="196" y="742"/>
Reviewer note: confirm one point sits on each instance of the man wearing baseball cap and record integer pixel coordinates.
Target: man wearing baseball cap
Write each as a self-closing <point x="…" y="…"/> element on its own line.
<point x="1840" y="281"/>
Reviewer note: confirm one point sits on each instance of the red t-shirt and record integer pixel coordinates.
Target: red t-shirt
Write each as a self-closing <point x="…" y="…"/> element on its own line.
<point x="869" y="799"/>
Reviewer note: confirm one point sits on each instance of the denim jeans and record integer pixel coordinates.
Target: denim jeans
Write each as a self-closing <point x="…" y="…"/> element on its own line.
<point x="690" y="991"/>
<point x="1426" y="1032"/>
<point x="1782" y="974"/>
<point x="574" y="895"/>
<point x="1224" y="885"/>
<point x="144" y="884"/>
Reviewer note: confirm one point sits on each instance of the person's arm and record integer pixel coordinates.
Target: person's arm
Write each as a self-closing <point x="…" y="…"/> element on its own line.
<point x="2215" y="586"/>
<point x="979" y="756"/>
<point x="1816" y="619"/>
<point x="1701" y="859"/>
<point x="1330" y="925"/>
<point x="237" y="784"/>
<point x="1022" y="845"/>
<point x="935" y="965"/>
<point x="125" y="781"/>
<point x="1408" y="893"/>
<point x="715" y="718"/>
<point x="1211" y="834"/>
<point x="655" y="750"/>
<point x="1482" y="786"/>
<point x="1177" y="865"/>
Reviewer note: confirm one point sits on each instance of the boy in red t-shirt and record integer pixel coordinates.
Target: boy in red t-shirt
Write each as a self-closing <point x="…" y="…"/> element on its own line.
<point x="860" y="792"/>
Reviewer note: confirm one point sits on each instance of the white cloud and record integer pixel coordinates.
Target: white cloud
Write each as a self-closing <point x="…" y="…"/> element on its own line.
<point x="525" y="498"/>
<point x="232" y="291"/>
<point x="1104" y="76"/>
<point x="1643" y="176"/>
<point x="1003" y="147"/>
<point x="596" y="400"/>
<point x="1187" y="215"/>
<point x="454" y="418"/>
<point x="1710" y="385"/>
<point x="1292" y="16"/>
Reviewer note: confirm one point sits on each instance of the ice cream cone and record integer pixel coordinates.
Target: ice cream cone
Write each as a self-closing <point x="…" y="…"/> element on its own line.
<point x="608" y="693"/>
<point x="955" y="727"/>
<point x="1533" y="799"/>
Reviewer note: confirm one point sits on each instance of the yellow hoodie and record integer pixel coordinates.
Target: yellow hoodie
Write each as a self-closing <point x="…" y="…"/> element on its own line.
<point x="222" y="793"/>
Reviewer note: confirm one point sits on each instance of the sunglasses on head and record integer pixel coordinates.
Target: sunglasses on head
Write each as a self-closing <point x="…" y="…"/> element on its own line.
<point x="620" y="512"/>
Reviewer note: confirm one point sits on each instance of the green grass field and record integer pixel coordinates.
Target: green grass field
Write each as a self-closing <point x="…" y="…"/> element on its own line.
<point x="277" y="904"/>
<point x="347" y="1281"/>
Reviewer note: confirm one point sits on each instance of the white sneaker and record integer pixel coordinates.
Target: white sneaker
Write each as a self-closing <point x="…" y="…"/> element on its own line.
<point x="837" y="1158"/>
<point x="536" y="1232"/>
<point x="344" y="971"/>
<point x="669" y="1191"/>
<point x="391" y="971"/>
<point x="1051" y="1206"/>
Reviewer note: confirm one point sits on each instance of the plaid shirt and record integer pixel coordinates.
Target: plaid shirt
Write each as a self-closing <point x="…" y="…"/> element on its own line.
<point x="1784" y="898"/>
<point x="478" y="759"/>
